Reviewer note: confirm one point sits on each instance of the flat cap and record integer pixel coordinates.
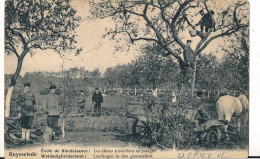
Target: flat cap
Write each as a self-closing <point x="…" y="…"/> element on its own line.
<point x="52" y="87"/>
<point x="199" y="93"/>
<point x="27" y="84"/>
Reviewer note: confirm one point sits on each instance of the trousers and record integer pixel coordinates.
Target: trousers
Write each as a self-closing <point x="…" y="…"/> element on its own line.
<point x="97" y="108"/>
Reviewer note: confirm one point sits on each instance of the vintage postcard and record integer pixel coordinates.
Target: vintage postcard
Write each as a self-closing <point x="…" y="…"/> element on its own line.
<point x="126" y="79"/>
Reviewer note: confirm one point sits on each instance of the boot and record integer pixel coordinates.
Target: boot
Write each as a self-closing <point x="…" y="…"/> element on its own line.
<point x="27" y="137"/>
<point x="23" y="135"/>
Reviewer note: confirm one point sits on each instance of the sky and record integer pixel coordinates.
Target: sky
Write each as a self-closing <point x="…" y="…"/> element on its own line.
<point x="97" y="52"/>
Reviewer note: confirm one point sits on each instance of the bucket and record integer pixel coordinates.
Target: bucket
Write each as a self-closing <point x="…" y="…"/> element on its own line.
<point x="193" y="33"/>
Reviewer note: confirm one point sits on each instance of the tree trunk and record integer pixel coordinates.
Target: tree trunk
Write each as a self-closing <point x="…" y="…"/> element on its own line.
<point x="8" y="100"/>
<point x="11" y="86"/>
<point x="194" y="78"/>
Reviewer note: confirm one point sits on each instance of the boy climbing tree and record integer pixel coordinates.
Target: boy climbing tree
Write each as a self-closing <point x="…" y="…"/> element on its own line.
<point x="206" y="21"/>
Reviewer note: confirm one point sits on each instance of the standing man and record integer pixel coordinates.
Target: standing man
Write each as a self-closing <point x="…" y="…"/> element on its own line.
<point x="201" y="111"/>
<point x="53" y="110"/>
<point x="81" y="102"/>
<point x="189" y="59"/>
<point x="188" y="54"/>
<point x="26" y="102"/>
<point x="97" y="100"/>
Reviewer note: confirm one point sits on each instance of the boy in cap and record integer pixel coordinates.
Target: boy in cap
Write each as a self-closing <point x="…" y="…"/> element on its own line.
<point x="200" y="110"/>
<point x="81" y="102"/>
<point x="97" y="100"/>
<point x="198" y="105"/>
<point x="26" y="102"/>
<point x="206" y="21"/>
<point x="53" y="110"/>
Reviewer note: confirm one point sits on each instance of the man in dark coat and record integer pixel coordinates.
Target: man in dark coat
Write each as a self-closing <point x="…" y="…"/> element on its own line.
<point x="26" y="102"/>
<point x="188" y="54"/>
<point x="189" y="58"/>
<point x="97" y="100"/>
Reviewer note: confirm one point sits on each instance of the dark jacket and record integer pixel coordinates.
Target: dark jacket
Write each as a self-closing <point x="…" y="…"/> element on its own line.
<point x="26" y="102"/>
<point x="188" y="55"/>
<point x="206" y="19"/>
<point x="97" y="97"/>
<point x="197" y="102"/>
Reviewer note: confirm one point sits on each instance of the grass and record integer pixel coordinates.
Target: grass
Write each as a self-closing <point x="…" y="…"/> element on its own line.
<point x="112" y="117"/>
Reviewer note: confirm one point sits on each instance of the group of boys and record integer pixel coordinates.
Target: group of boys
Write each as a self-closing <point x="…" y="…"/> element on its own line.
<point x="52" y="107"/>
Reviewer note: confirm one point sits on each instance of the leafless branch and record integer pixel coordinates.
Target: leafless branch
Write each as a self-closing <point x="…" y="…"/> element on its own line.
<point x="179" y="11"/>
<point x="225" y="33"/>
<point x="12" y="48"/>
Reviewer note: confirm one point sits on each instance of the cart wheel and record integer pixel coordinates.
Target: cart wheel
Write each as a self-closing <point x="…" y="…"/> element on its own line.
<point x="142" y="132"/>
<point x="211" y="139"/>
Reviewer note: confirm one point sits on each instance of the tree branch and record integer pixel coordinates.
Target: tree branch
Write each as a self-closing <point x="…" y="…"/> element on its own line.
<point x="12" y="49"/>
<point x="36" y="38"/>
<point x="132" y="12"/>
<point x="158" y="35"/>
<point x="204" y="38"/>
<point x="228" y="32"/>
<point x="179" y="11"/>
<point x="147" y="39"/>
<point x="19" y="35"/>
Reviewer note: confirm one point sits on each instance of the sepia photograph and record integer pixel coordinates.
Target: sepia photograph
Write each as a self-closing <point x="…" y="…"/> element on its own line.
<point x="126" y="79"/>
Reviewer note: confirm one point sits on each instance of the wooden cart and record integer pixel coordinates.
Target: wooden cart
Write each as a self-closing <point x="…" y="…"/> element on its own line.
<point x="179" y="132"/>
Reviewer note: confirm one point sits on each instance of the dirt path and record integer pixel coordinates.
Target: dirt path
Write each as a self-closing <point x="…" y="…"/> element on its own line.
<point x="96" y="139"/>
<point x="86" y="139"/>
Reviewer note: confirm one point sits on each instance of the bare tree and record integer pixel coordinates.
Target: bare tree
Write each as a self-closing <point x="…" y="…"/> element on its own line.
<point x="37" y="24"/>
<point x="166" y="22"/>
